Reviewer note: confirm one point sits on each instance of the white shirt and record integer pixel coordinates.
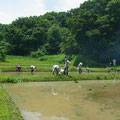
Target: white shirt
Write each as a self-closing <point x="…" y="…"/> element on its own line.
<point x="32" y="67"/>
<point x="67" y="62"/>
<point x="55" y="67"/>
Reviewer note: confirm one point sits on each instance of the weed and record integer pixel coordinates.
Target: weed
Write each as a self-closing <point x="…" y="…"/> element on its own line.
<point x="90" y="89"/>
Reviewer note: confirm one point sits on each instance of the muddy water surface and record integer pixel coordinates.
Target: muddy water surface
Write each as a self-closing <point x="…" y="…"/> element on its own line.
<point x="43" y="73"/>
<point x="66" y="100"/>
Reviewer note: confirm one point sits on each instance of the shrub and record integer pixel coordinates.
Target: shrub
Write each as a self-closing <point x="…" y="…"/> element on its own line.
<point x="38" y="53"/>
<point x="86" y="62"/>
<point x="73" y="69"/>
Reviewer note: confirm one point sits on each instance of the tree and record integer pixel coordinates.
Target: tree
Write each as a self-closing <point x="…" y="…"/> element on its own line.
<point x="68" y="44"/>
<point x="53" y="38"/>
<point x="3" y="50"/>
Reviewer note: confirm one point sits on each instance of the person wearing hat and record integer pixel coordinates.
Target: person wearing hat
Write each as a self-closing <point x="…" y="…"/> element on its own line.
<point x="80" y="67"/>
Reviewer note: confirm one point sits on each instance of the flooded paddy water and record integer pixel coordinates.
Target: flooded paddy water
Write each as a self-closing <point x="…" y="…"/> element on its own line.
<point x="41" y="73"/>
<point x="85" y="100"/>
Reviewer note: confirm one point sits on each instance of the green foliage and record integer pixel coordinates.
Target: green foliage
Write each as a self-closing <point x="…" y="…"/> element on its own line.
<point x="13" y="79"/>
<point x="49" y="77"/>
<point x="27" y="34"/>
<point x="90" y="89"/>
<point x="54" y="39"/>
<point x="73" y="69"/>
<point x="68" y="44"/>
<point x="16" y="80"/>
<point x="94" y="25"/>
<point x="39" y="53"/>
<point x="86" y="62"/>
<point x="76" y="81"/>
<point x="54" y="59"/>
<point x="3" y="50"/>
<point x="104" y="86"/>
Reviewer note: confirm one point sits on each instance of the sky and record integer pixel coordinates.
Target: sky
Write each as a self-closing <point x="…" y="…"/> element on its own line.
<point x="10" y="10"/>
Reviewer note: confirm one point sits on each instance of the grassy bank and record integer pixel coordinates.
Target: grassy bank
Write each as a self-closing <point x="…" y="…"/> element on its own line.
<point x="27" y="60"/>
<point x="49" y="77"/>
<point x="8" y="110"/>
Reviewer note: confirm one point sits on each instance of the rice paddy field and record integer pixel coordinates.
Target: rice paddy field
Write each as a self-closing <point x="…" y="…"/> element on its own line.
<point x="85" y="100"/>
<point x="43" y="96"/>
<point x="43" y="64"/>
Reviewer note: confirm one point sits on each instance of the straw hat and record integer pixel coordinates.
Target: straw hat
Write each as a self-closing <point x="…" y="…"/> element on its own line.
<point x="81" y="63"/>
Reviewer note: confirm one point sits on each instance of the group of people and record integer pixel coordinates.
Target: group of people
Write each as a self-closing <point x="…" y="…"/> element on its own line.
<point x="32" y="67"/>
<point x="56" y="70"/>
<point x="65" y="69"/>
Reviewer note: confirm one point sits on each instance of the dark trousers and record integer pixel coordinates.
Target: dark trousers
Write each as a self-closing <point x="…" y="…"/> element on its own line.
<point x="18" y="69"/>
<point x="66" y="71"/>
<point x="80" y="71"/>
<point x="32" y="70"/>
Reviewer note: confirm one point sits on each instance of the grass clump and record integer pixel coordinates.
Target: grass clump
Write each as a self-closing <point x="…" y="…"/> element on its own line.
<point x="89" y="89"/>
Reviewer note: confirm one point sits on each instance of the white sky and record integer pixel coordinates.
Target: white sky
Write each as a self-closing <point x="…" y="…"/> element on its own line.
<point x="12" y="9"/>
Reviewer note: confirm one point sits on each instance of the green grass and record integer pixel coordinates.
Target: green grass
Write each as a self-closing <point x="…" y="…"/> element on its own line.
<point x="26" y="60"/>
<point x="50" y="77"/>
<point x="53" y="59"/>
<point x="8" y="110"/>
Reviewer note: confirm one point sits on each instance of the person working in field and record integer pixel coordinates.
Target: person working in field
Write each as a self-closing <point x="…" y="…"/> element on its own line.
<point x="114" y="62"/>
<point x="88" y="69"/>
<point x="67" y="62"/>
<point x="32" y="68"/>
<point x="55" y="69"/>
<point x="80" y="67"/>
<point x="18" y="68"/>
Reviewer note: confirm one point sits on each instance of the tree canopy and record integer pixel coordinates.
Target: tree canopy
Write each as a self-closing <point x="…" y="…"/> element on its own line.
<point x="92" y="30"/>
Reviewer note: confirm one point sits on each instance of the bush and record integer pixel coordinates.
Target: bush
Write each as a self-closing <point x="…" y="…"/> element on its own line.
<point x="16" y="80"/>
<point x="38" y="53"/>
<point x="13" y="80"/>
<point x="73" y="69"/>
<point x="2" y="55"/>
<point x="86" y="62"/>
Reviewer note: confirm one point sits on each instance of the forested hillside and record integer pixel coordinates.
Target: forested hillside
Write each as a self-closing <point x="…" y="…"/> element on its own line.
<point x="92" y="30"/>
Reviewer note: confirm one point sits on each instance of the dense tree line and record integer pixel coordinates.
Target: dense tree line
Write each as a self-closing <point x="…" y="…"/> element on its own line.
<point x="92" y="30"/>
